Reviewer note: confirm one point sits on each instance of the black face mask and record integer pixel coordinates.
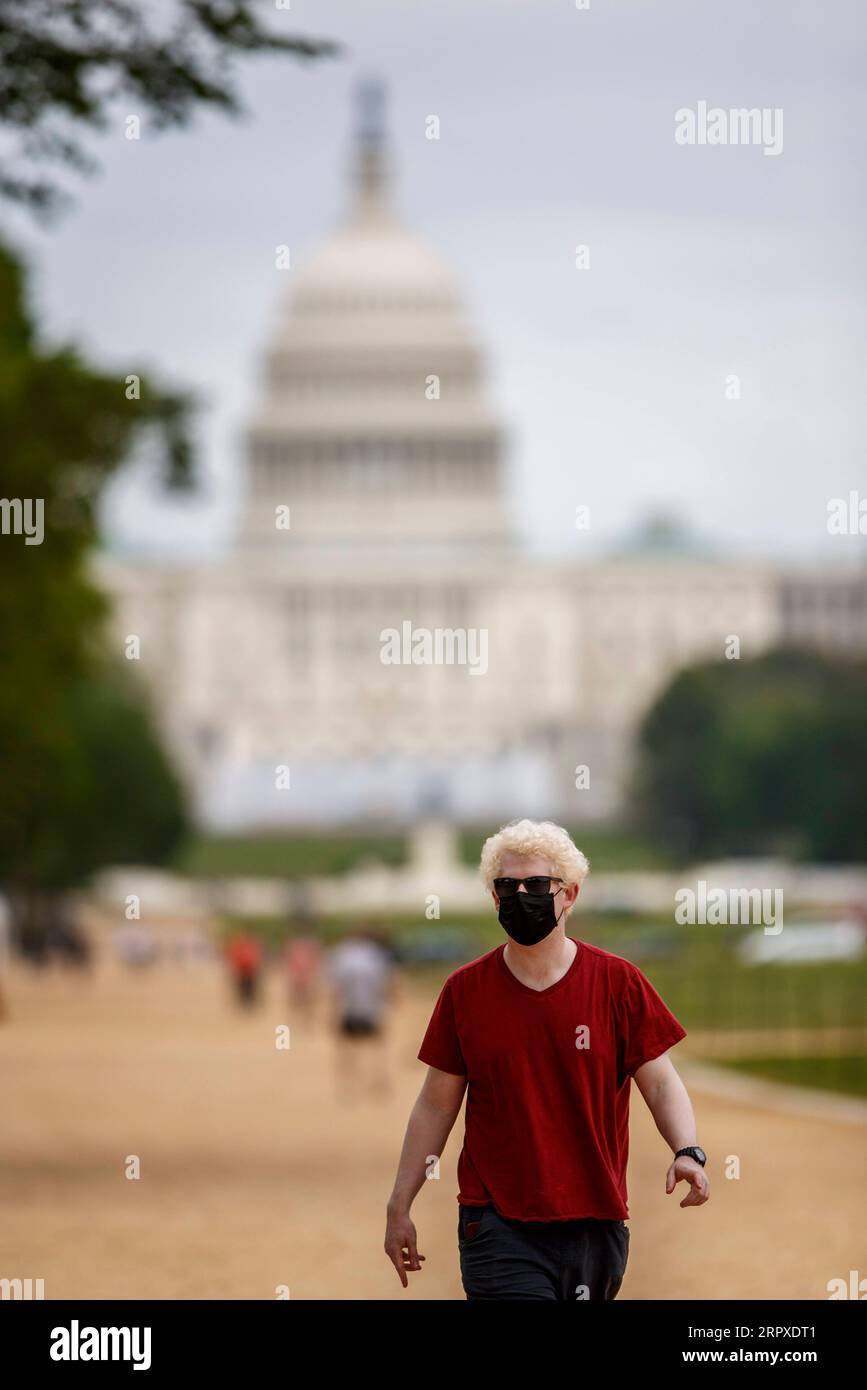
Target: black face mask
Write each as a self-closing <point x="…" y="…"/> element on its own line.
<point x="528" y="917"/>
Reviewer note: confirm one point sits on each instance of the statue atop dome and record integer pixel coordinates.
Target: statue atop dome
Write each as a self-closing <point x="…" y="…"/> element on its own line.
<point x="370" y="106"/>
<point x="370" y="161"/>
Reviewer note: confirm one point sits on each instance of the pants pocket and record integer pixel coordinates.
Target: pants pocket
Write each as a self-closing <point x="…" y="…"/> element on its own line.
<point x="620" y="1231"/>
<point x="469" y="1221"/>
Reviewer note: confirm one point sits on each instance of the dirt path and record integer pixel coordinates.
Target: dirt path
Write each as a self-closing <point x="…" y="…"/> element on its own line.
<point x="254" y="1175"/>
<point x="781" y="1042"/>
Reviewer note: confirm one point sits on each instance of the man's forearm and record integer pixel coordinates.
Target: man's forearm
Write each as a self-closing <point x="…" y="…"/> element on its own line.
<point x="426" y="1133"/>
<point x="671" y="1108"/>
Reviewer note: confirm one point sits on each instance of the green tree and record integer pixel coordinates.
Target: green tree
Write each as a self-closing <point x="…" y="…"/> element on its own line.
<point x="65" y="428"/>
<point x="100" y="792"/>
<point x="83" y="779"/>
<point x="64" y="67"/>
<point x="759" y="756"/>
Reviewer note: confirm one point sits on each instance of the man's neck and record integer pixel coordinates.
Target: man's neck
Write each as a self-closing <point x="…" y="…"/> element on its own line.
<point x="542" y="965"/>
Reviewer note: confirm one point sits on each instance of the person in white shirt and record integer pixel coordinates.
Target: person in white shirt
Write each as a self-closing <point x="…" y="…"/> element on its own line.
<point x="360" y="972"/>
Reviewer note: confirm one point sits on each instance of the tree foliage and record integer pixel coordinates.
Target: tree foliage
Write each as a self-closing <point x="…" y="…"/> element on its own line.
<point x="84" y="781"/>
<point x="760" y="756"/>
<point x="103" y="791"/>
<point x="63" y="714"/>
<point x="64" y="66"/>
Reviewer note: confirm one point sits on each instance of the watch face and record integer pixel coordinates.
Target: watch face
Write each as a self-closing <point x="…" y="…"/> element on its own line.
<point x="700" y="1155"/>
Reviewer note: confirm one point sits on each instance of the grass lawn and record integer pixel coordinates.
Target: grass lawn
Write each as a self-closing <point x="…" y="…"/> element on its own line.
<point x="287" y="855"/>
<point x="609" y="849"/>
<point x="844" y="1074"/>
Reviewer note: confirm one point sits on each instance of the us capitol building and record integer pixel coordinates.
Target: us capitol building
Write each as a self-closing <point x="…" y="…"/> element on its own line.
<point x="375" y="500"/>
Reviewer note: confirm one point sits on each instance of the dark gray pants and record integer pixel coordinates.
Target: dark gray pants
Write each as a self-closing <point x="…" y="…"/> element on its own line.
<point x="557" y="1260"/>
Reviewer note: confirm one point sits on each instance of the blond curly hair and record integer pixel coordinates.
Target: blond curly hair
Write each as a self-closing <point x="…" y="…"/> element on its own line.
<point x="531" y="838"/>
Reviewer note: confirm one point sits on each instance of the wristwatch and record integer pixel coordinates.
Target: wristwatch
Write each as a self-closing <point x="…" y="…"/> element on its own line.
<point x="693" y="1152"/>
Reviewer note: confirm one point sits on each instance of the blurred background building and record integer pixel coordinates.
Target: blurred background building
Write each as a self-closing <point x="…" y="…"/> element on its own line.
<point x="376" y="496"/>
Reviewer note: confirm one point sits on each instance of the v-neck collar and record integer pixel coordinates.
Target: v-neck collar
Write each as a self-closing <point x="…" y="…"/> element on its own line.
<point x="541" y="993"/>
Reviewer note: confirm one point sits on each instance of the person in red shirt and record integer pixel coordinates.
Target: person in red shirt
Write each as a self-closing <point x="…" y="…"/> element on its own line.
<point x="545" y="1033"/>
<point x="302" y="957"/>
<point x="244" y="957"/>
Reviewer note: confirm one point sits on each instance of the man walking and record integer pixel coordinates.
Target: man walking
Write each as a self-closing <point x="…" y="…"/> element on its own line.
<point x="546" y="1032"/>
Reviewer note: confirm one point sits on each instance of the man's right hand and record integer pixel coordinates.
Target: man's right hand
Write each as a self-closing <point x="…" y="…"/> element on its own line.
<point x="400" y="1244"/>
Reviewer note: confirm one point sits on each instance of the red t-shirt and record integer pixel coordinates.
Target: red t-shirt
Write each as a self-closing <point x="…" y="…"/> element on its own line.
<point x="547" y="1116"/>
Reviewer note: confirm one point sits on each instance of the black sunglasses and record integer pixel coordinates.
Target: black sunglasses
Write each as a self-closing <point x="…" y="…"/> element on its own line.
<point x="537" y="883"/>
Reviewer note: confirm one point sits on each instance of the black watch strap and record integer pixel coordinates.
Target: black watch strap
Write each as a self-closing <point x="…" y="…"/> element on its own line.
<point x="693" y="1152"/>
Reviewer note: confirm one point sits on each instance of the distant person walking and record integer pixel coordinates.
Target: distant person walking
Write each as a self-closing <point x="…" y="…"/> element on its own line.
<point x="361" y="973"/>
<point x="302" y="959"/>
<point x="244" y="956"/>
<point x="66" y="942"/>
<point x="135" y="944"/>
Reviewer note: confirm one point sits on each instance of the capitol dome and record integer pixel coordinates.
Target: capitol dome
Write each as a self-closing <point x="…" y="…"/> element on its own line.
<point x="376" y="266"/>
<point x="373" y="266"/>
<point x="373" y="413"/>
<point x="373" y="281"/>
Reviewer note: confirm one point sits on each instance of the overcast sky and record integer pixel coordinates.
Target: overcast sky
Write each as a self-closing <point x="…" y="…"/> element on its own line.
<point x="557" y="128"/>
